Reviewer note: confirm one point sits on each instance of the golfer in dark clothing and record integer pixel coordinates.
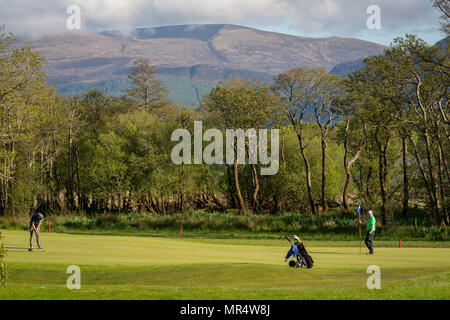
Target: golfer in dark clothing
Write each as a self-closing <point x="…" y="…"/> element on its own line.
<point x="371" y="225"/>
<point x="35" y="225"/>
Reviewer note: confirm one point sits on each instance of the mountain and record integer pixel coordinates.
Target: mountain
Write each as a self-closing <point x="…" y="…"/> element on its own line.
<point x="190" y="58"/>
<point x="443" y="43"/>
<point x="345" y="68"/>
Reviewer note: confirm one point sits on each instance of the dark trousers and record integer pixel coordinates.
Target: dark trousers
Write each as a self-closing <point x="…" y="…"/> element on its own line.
<point x="369" y="241"/>
<point x="37" y="238"/>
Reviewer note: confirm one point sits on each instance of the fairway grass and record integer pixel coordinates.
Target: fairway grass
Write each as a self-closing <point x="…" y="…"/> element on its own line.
<point x="127" y="267"/>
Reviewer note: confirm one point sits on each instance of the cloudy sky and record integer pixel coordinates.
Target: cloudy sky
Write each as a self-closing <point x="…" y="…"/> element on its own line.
<point x="311" y="18"/>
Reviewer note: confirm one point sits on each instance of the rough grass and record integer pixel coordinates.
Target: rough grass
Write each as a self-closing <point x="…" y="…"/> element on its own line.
<point x="127" y="267"/>
<point x="334" y="226"/>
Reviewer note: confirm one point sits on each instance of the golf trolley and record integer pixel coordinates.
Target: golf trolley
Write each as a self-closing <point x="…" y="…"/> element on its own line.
<point x="298" y="252"/>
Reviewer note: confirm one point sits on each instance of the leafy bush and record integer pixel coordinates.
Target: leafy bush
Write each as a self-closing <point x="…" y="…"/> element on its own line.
<point x="437" y="233"/>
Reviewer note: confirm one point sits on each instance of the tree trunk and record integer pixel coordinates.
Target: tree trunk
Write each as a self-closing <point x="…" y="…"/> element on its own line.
<point x="443" y="214"/>
<point x="348" y="179"/>
<point x="405" y="177"/>
<point x="324" y="176"/>
<point x="237" y="188"/>
<point x="12" y="183"/>
<point x="255" y="182"/>
<point x="348" y="163"/>
<point x="231" y="191"/>
<point x="382" y="175"/>
<point x="70" y="171"/>
<point x="431" y="172"/>
<point x="308" y="176"/>
<point x="422" y="172"/>
<point x="77" y="173"/>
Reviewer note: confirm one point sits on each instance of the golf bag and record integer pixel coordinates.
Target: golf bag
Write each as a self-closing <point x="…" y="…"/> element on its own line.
<point x="298" y="251"/>
<point x="306" y="259"/>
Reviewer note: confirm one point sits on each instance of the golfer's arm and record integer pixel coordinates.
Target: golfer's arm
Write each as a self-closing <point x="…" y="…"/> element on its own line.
<point x="39" y="225"/>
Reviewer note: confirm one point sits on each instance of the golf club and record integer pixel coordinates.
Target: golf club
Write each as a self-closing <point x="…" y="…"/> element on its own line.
<point x="288" y="239"/>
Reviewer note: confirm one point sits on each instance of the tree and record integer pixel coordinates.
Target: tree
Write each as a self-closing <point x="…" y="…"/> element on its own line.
<point x="403" y="94"/>
<point x="240" y="104"/>
<point x="444" y="7"/>
<point x="147" y="91"/>
<point x="306" y="92"/>
<point x="23" y="91"/>
<point x="377" y="88"/>
<point x="353" y="134"/>
<point x="426" y="97"/>
<point x="328" y="92"/>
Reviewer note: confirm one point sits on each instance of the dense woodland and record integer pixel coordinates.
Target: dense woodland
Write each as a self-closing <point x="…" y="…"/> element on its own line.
<point x="380" y="136"/>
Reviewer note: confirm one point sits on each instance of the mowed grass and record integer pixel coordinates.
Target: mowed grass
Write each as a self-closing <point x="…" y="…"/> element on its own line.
<point x="128" y="267"/>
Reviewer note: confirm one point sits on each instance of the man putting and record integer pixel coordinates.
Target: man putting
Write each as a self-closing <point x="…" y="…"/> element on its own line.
<point x="35" y="225"/>
<point x="370" y="231"/>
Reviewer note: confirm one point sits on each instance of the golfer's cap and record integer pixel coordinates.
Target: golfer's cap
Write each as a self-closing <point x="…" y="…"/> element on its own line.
<point x="369" y="212"/>
<point x="40" y="215"/>
<point x="296" y="238"/>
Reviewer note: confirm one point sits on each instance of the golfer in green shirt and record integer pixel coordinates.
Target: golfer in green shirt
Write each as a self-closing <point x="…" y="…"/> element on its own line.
<point x="371" y="225"/>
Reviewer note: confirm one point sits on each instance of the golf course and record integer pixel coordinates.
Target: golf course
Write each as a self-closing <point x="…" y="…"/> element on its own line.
<point x="140" y="267"/>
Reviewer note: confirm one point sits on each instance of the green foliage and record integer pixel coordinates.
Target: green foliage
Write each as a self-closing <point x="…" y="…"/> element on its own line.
<point x="443" y="7"/>
<point x="146" y="89"/>
<point x="110" y="154"/>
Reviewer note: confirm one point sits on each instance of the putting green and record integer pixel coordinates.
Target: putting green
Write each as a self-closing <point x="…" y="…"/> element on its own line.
<point x="122" y="267"/>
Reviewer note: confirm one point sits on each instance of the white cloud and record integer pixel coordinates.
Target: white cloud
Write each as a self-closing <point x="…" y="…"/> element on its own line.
<point x="302" y="17"/>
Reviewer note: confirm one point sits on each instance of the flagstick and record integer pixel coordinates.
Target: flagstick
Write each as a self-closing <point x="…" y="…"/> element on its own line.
<point x="360" y="233"/>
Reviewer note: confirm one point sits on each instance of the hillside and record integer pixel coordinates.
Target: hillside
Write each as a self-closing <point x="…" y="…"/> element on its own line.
<point x="189" y="54"/>
<point x="345" y="68"/>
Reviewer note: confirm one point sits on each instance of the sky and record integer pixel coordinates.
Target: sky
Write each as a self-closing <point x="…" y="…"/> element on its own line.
<point x="309" y="18"/>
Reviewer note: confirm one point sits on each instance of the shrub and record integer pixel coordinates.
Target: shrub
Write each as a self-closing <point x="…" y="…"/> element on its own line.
<point x="107" y="221"/>
<point x="437" y="233"/>
<point x="334" y="225"/>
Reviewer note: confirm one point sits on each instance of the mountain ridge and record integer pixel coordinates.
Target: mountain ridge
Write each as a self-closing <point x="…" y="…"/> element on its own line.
<point x="345" y="68"/>
<point x="203" y="52"/>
